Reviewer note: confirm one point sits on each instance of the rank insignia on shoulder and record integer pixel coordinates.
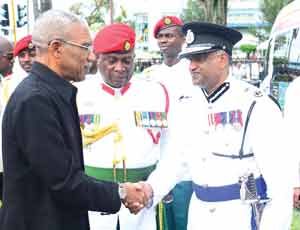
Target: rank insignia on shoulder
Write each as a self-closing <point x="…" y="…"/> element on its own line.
<point x="151" y="119"/>
<point x="258" y="93"/>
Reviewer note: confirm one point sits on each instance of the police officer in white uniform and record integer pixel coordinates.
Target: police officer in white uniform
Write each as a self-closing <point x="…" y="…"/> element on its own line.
<point x="124" y="123"/>
<point x="237" y="164"/>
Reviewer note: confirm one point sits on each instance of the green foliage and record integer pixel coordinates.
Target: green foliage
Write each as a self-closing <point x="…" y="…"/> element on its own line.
<point x="261" y="33"/>
<point x="122" y="16"/>
<point x="296" y="220"/>
<point x="92" y="10"/>
<point x="95" y="12"/>
<point x="247" y="48"/>
<point x="270" y="9"/>
<point x="193" y="12"/>
<point x="206" y="10"/>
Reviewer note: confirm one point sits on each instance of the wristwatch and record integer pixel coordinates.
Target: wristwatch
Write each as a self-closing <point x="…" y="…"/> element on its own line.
<point x="122" y="191"/>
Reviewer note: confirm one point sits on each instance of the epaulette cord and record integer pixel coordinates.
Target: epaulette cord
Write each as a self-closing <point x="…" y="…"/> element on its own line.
<point x="275" y="101"/>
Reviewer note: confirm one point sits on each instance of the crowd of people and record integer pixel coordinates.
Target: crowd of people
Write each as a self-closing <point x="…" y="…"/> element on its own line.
<point x="86" y="144"/>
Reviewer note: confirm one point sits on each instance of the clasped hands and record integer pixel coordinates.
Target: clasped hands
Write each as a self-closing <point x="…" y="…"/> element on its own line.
<point x="138" y="196"/>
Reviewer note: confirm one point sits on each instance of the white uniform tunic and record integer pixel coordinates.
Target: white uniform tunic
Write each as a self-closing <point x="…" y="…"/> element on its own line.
<point x="176" y="78"/>
<point x="141" y="145"/>
<point x="292" y="123"/>
<point x="216" y="125"/>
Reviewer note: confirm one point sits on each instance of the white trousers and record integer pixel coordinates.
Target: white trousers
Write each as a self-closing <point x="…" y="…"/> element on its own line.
<point x="231" y="215"/>
<point x="144" y="220"/>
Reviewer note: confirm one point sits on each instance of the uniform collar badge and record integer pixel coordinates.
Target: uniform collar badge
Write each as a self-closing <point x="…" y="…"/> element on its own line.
<point x="190" y="37"/>
<point x="127" y="46"/>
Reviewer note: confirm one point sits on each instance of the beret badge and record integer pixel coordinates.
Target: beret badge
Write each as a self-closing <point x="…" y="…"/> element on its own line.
<point x="127" y="46"/>
<point x="167" y="21"/>
<point x="30" y="45"/>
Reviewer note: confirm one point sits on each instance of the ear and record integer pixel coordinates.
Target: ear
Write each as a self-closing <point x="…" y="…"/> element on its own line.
<point x="55" y="48"/>
<point x="224" y="59"/>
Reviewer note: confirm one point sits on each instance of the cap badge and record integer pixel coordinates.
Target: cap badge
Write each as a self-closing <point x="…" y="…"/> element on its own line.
<point x="127" y="45"/>
<point x="167" y="21"/>
<point x="190" y="37"/>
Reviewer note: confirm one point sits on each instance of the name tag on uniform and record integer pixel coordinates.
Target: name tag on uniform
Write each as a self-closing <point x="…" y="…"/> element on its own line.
<point x="151" y="119"/>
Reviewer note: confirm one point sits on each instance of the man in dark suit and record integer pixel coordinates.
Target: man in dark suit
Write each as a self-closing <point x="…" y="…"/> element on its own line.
<point x="45" y="187"/>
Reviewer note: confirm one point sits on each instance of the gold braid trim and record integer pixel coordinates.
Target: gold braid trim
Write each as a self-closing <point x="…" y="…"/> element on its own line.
<point x="90" y="137"/>
<point x="161" y="215"/>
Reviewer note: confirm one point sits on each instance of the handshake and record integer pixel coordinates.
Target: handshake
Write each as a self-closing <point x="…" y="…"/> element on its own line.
<point x="136" y="196"/>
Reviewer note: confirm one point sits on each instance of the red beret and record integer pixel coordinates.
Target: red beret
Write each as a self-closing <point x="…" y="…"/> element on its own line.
<point x="23" y="43"/>
<point x="116" y="37"/>
<point x="165" y="22"/>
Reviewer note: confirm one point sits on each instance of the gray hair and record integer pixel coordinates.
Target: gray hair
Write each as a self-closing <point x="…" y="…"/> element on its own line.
<point x="53" y="24"/>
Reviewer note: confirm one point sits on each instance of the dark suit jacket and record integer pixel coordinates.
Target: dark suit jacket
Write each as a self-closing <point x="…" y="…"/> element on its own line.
<point x="45" y="187"/>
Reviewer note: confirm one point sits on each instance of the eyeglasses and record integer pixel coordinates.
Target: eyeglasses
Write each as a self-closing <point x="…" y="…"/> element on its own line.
<point x="87" y="47"/>
<point x="9" y="56"/>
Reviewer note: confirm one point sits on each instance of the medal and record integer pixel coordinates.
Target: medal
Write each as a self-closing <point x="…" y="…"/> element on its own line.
<point x="152" y="119"/>
<point x="138" y="118"/>
<point x="236" y="119"/>
<point x="164" y="120"/>
<point x="145" y="119"/>
<point x="158" y="119"/>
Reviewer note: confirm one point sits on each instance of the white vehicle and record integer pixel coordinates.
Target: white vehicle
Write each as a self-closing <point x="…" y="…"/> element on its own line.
<point x="283" y="54"/>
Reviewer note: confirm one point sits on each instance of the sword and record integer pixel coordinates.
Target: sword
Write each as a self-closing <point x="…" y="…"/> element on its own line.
<point x="248" y="195"/>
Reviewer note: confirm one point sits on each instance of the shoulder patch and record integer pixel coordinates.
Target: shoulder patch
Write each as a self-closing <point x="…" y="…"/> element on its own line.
<point x="184" y="98"/>
<point x="258" y="93"/>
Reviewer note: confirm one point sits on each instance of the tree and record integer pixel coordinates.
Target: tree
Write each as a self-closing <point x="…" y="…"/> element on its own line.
<point x="214" y="11"/>
<point x="191" y="14"/>
<point x="270" y="9"/>
<point x="95" y="12"/>
<point x="248" y="49"/>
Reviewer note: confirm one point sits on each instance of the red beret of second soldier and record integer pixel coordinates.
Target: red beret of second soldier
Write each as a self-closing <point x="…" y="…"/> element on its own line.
<point x="166" y="22"/>
<point x="23" y="43"/>
<point x="117" y="37"/>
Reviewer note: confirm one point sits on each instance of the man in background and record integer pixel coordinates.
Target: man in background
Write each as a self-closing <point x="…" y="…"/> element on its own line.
<point x="6" y="57"/>
<point x="24" y="51"/>
<point x="6" y="65"/>
<point x="174" y="74"/>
